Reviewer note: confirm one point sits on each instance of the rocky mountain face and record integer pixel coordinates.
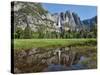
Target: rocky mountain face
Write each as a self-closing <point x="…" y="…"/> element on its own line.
<point x="71" y="21"/>
<point x="65" y="21"/>
<point x="68" y="21"/>
<point x="34" y="16"/>
<point x="55" y="22"/>
<point x="90" y="22"/>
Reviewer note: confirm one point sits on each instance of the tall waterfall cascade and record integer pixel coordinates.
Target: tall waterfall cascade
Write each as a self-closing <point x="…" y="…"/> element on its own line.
<point x="59" y="22"/>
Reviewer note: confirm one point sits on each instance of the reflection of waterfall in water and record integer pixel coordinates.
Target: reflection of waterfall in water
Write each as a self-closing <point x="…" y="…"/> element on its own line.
<point x="64" y="59"/>
<point x="59" y="55"/>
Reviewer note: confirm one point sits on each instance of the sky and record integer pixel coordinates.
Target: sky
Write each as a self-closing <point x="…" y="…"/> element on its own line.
<point x="84" y="12"/>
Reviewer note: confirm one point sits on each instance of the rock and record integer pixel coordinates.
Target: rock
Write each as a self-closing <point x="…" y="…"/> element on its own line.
<point x="76" y="19"/>
<point x="90" y="22"/>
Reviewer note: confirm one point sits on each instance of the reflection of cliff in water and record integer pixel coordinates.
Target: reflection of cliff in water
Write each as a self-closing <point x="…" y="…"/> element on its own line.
<point x="66" y="60"/>
<point x="54" y="59"/>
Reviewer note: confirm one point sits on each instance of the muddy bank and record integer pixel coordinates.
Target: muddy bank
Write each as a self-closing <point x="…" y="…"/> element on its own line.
<point x="54" y="59"/>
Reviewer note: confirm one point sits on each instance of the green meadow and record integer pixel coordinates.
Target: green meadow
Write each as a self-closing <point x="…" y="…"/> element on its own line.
<point x="47" y="43"/>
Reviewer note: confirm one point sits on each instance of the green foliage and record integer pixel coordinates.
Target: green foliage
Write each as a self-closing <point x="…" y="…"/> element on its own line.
<point x="18" y="33"/>
<point x="35" y="34"/>
<point x="27" y="32"/>
<point x="40" y="9"/>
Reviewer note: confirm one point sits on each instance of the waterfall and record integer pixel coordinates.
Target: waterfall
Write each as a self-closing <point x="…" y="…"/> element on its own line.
<point x="59" y="24"/>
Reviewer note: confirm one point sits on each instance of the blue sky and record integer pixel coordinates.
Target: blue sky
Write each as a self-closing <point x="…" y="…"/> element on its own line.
<point x="84" y="12"/>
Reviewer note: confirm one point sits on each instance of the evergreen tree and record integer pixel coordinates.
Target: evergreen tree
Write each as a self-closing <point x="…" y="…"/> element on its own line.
<point x="27" y="32"/>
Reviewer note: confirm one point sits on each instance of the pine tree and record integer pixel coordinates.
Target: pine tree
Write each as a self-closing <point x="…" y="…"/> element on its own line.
<point x="27" y="32"/>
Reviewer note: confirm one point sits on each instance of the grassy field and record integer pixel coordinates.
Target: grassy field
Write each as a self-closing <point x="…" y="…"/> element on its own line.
<point x="44" y="43"/>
